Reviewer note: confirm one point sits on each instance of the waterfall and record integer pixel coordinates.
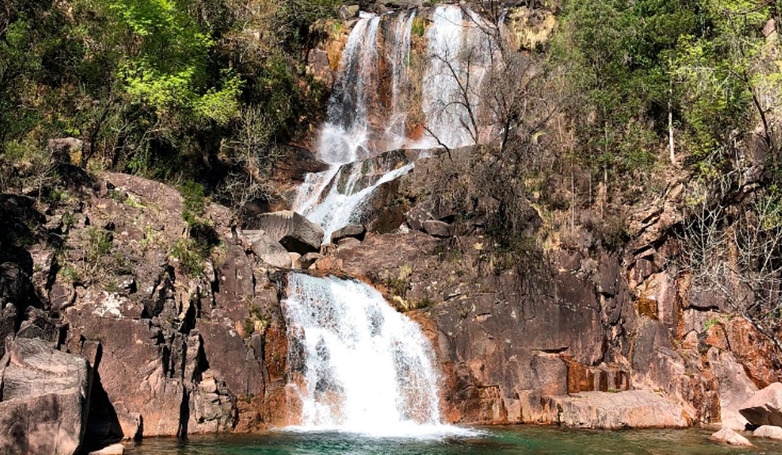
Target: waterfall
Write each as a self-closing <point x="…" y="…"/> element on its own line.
<point x="459" y="55"/>
<point x="445" y="113"/>
<point x="332" y="198"/>
<point x="343" y="139"/>
<point x="362" y="367"/>
<point x="362" y="123"/>
<point x="396" y="133"/>
<point x="338" y="209"/>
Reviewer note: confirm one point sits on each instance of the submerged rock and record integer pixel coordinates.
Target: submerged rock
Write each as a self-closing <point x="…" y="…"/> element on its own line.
<point x="768" y="431"/>
<point x="730" y="437"/>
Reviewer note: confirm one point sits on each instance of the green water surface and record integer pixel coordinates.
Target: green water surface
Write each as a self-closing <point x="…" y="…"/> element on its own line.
<point x="490" y="441"/>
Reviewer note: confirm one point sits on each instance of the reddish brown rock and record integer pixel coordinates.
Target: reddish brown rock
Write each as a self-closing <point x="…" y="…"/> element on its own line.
<point x="164" y="196"/>
<point x="437" y="228"/>
<point x="753" y="350"/>
<point x="134" y="372"/>
<point x="308" y="259"/>
<point x="347" y="243"/>
<point x="734" y="386"/>
<point x="357" y="231"/>
<point x="632" y="409"/>
<point x="681" y="374"/>
<point x="229" y="355"/>
<point x="498" y="344"/>
<point x="45" y="398"/>
<point x="318" y="64"/>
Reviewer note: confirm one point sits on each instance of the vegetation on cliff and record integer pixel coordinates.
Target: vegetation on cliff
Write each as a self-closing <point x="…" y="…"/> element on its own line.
<point x="626" y="97"/>
<point x="168" y="89"/>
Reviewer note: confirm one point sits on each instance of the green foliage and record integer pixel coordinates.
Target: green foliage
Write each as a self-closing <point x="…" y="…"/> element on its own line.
<point x="190" y="255"/>
<point x="192" y="251"/>
<point x="99" y="243"/>
<point x="69" y="273"/>
<point x="700" y="61"/>
<point x="619" y="76"/>
<point x="153" y="87"/>
<point x="258" y="321"/>
<point x="193" y="202"/>
<point x="399" y="284"/>
<point x="419" y="26"/>
<point x="715" y="70"/>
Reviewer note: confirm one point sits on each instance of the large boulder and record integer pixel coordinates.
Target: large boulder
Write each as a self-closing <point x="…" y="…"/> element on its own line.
<point x="357" y="231"/>
<point x="45" y="399"/>
<point x="269" y="250"/>
<point x="63" y="149"/>
<point x="631" y="409"/>
<point x="292" y="230"/>
<point x="765" y="407"/>
<point x="139" y="370"/>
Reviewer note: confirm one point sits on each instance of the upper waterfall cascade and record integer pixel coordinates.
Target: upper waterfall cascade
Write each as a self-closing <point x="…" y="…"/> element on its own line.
<point x="363" y="123"/>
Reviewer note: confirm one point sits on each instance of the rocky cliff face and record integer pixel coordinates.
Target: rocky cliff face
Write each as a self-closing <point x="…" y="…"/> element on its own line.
<point x="99" y="274"/>
<point x="534" y="337"/>
<point x="577" y="334"/>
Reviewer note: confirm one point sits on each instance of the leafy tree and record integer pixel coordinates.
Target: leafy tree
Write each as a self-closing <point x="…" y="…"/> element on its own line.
<point x="618" y="57"/>
<point x="723" y="75"/>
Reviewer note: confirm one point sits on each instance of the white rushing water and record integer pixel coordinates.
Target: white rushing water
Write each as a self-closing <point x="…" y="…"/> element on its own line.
<point x="364" y="368"/>
<point x="361" y="124"/>
<point x="396" y="132"/>
<point x="341" y="207"/>
<point x="332" y="198"/>
<point x="459" y="55"/>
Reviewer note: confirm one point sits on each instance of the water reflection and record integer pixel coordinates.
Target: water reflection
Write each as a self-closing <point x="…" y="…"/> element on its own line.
<point x="492" y="441"/>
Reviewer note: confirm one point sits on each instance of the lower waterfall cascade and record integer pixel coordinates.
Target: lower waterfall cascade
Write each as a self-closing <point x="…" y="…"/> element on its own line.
<point x="358" y="365"/>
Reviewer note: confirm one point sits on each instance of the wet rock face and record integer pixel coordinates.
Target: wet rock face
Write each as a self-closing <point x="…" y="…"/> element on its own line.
<point x="45" y="396"/>
<point x="503" y="336"/>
